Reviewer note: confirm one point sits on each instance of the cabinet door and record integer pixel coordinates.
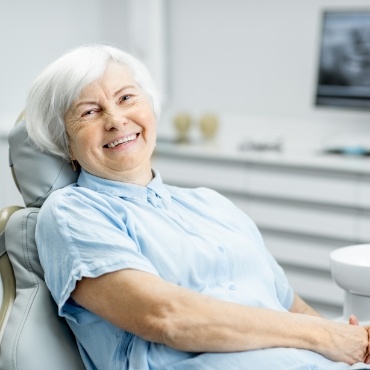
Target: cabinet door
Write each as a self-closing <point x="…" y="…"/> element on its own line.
<point x="363" y="235"/>
<point x="198" y="172"/>
<point x="314" y="286"/>
<point x="364" y="192"/>
<point x="302" y="251"/>
<point x="303" y="218"/>
<point x="301" y="184"/>
<point x="364" y="209"/>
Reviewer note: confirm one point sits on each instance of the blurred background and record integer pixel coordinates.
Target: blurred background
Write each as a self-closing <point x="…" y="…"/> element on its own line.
<point x="260" y="68"/>
<point x="233" y="56"/>
<point x="253" y="64"/>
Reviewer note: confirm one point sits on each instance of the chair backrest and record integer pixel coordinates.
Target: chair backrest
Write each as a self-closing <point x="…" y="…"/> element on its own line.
<point x="32" y="336"/>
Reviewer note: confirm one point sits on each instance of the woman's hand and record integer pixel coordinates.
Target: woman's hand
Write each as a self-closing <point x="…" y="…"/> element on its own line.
<point x="347" y="343"/>
<point x="341" y="349"/>
<point x="354" y="321"/>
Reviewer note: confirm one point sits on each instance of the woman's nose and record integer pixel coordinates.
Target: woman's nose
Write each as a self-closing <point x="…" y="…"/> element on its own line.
<point x="115" y="119"/>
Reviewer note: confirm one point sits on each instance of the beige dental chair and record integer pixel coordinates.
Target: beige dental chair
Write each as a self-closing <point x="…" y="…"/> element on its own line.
<point x="32" y="336"/>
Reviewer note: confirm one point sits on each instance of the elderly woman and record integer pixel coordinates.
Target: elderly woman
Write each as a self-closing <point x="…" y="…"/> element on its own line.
<point x="152" y="276"/>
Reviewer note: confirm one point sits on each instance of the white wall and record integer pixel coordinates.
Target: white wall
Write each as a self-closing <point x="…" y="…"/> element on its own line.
<point x="33" y="34"/>
<point x="254" y="63"/>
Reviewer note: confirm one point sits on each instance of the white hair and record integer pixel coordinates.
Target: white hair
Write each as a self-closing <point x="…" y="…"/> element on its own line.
<point x="58" y="86"/>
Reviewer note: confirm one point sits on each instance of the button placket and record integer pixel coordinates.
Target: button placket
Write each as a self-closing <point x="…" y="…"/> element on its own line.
<point x="154" y="199"/>
<point x="224" y="269"/>
<point x="223" y="265"/>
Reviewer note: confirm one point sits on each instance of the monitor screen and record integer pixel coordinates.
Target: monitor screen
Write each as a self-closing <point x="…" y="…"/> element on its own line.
<point x="344" y="64"/>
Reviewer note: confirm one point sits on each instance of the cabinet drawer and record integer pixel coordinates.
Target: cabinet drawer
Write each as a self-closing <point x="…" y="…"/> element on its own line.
<point x="315" y="287"/>
<point x="307" y="219"/>
<point x="300" y="251"/>
<point x="195" y="172"/>
<point x="364" y="192"/>
<point x="363" y="235"/>
<point x="319" y="187"/>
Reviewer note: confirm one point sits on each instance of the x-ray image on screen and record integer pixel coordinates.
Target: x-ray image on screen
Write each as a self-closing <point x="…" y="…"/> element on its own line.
<point x="344" y="65"/>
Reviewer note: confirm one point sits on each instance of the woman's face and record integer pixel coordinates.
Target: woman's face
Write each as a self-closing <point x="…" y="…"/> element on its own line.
<point x="112" y="128"/>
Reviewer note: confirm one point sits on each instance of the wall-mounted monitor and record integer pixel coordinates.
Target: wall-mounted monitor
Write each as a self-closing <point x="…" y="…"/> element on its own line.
<point x="344" y="63"/>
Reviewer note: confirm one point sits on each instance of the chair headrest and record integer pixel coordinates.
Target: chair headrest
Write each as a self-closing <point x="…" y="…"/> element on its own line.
<point x="36" y="173"/>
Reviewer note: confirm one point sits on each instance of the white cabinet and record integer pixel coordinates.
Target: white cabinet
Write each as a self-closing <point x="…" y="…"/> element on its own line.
<point x="229" y="176"/>
<point x="302" y="218"/>
<point x="306" y="185"/>
<point x="303" y="212"/>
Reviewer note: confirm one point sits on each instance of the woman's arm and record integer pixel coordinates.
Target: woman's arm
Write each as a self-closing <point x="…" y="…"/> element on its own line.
<point x="162" y="312"/>
<point x="300" y="306"/>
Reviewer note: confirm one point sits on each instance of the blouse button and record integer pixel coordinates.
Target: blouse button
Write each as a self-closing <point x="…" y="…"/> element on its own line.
<point x="221" y="249"/>
<point x="232" y="287"/>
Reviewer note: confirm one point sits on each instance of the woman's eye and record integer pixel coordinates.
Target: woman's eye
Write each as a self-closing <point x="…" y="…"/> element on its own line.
<point x="88" y="113"/>
<point x="125" y="97"/>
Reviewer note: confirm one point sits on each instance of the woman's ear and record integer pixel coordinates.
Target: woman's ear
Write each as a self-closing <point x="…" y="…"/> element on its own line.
<point x="74" y="165"/>
<point x="71" y="154"/>
<point x="74" y="162"/>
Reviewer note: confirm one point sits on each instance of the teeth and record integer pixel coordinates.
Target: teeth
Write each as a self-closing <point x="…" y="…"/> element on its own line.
<point x="121" y="141"/>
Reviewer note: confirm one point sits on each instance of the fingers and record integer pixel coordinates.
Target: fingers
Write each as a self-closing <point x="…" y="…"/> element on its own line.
<point x="353" y="320"/>
<point x="367" y="359"/>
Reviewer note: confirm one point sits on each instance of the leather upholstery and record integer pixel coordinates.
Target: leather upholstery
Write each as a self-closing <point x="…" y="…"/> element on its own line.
<point x="37" y="174"/>
<point x="6" y="271"/>
<point x="34" y="337"/>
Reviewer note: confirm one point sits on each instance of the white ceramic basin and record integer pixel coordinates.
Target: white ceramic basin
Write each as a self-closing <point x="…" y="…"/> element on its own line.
<point x="350" y="268"/>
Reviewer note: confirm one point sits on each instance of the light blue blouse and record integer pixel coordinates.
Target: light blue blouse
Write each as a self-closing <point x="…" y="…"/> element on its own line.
<point x="195" y="238"/>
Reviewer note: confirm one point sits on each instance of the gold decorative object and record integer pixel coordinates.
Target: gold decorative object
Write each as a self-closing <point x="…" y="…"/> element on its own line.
<point x="182" y="123"/>
<point x="209" y="124"/>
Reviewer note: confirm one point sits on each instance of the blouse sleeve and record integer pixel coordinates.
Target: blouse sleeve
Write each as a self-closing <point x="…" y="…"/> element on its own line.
<point x="79" y="237"/>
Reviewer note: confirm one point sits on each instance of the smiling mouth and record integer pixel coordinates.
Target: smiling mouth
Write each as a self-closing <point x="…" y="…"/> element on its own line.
<point x="124" y="140"/>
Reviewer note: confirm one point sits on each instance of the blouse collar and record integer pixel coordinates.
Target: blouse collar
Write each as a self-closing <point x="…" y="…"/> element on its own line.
<point x="122" y="189"/>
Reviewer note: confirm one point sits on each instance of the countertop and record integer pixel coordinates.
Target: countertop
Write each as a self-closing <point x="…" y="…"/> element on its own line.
<point x="314" y="160"/>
